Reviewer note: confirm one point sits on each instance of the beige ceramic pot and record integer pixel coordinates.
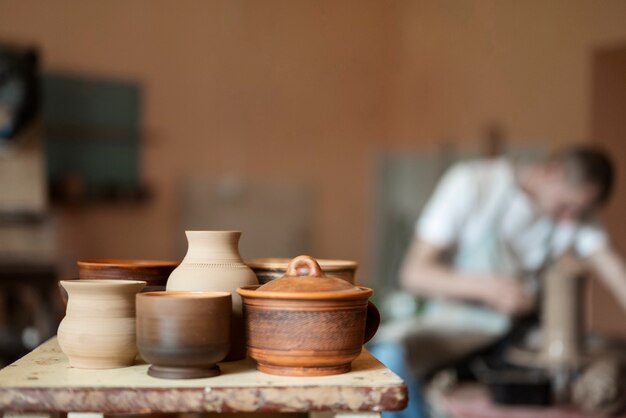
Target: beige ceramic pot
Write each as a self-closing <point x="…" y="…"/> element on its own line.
<point x="268" y="269"/>
<point x="213" y="263"/>
<point x="98" y="331"/>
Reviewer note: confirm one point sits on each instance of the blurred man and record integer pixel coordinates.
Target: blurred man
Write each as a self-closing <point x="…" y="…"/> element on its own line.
<point x="489" y="229"/>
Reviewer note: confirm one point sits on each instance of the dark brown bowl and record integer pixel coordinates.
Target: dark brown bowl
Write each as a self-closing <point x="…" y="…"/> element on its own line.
<point x="183" y="334"/>
<point x="154" y="272"/>
<point x="267" y="269"/>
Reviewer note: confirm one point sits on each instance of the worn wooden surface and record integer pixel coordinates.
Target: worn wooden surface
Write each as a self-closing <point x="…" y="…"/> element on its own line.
<point x="43" y="381"/>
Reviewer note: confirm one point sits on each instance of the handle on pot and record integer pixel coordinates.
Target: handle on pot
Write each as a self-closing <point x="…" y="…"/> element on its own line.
<point x="372" y="321"/>
<point x="304" y="265"/>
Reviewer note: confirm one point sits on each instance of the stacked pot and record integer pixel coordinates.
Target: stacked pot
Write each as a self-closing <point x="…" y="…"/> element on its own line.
<point x="185" y="318"/>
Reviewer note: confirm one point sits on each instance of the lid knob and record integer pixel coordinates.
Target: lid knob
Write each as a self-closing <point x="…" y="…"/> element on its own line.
<point x="303" y="266"/>
<point x="304" y="275"/>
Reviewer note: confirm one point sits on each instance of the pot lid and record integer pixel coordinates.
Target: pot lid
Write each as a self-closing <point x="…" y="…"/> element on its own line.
<point x="304" y="275"/>
<point x="279" y="263"/>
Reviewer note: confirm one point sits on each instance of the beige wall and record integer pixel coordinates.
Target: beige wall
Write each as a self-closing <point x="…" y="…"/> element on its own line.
<point x="460" y="64"/>
<point x="609" y="128"/>
<point x="313" y="90"/>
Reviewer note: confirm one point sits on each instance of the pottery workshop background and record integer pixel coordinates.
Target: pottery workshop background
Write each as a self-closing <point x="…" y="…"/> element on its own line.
<point x="310" y="95"/>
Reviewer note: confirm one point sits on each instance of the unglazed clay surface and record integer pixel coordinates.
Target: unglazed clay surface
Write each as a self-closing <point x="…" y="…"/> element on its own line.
<point x="183" y="334"/>
<point x="296" y="328"/>
<point x="213" y="263"/>
<point x="98" y="331"/>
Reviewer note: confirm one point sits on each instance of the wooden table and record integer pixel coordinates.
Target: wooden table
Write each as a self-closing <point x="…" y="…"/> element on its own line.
<point x="43" y="381"/>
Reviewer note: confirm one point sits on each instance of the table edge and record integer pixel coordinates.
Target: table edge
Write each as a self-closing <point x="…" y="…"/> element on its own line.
<point x="194" y="399"/>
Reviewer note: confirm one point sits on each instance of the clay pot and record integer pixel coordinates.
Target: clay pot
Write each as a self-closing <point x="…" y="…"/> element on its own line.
<point x="153" y="272"/>
<point x="213" y="263"/>
<point x="98" y="331"/>
<point x="183" y="334"/>
<point x="267" y="269"/>
<point x="562" y="314"/>
<point x="307" y="324"/>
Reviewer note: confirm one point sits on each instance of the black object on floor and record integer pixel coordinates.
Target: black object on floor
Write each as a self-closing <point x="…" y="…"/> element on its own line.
<point x="511" y="385"/>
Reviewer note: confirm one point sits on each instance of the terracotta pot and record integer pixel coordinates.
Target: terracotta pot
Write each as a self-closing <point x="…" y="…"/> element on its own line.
<point x="213" y="263"/>
<point x="153" y="272"/>
<point x="98" y="331"/>
<point x="267" y="269"/>
<point x="183" y="334"/>
<point x="307" y="324"/>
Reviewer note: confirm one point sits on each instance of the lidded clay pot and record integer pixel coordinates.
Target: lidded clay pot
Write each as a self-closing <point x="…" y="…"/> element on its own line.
<point x="98" y="331"/>
<point x="307" y="324"/>
<point x="213" y="263"/>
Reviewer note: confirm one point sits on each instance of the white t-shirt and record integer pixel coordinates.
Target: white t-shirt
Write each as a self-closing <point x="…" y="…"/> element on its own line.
<point x="482" y="197"/>
<point x="479" y="211"/>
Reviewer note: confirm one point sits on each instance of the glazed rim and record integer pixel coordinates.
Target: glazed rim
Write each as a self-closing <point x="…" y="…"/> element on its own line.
<point x="360" y="293"/>
<point x="282" y="263"/>
<point x="102" y="282"/>
<point x="121" y="262"/>
<point x="184" y="294"/>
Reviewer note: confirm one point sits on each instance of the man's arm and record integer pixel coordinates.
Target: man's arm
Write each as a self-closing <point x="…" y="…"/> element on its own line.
<point x="611" y="270"/>
<point x="424" y="273"/>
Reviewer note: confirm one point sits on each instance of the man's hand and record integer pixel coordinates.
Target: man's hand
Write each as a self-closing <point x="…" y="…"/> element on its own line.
<point x="425" y="274"/>
<point x="506" y="295"/>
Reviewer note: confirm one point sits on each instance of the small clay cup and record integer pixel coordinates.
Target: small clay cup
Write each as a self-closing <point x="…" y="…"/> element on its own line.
<point x="268" y="269"/>
<point x="183" y="334"/>
<point x="153" y="272"/>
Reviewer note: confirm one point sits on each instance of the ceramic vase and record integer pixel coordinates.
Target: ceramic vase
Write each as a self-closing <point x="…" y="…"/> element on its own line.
<point x="213" y="263"/>
<point x="98" y="331"/>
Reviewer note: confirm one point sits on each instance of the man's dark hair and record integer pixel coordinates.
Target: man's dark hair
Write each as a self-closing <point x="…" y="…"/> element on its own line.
<point x="590" y="165"/>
